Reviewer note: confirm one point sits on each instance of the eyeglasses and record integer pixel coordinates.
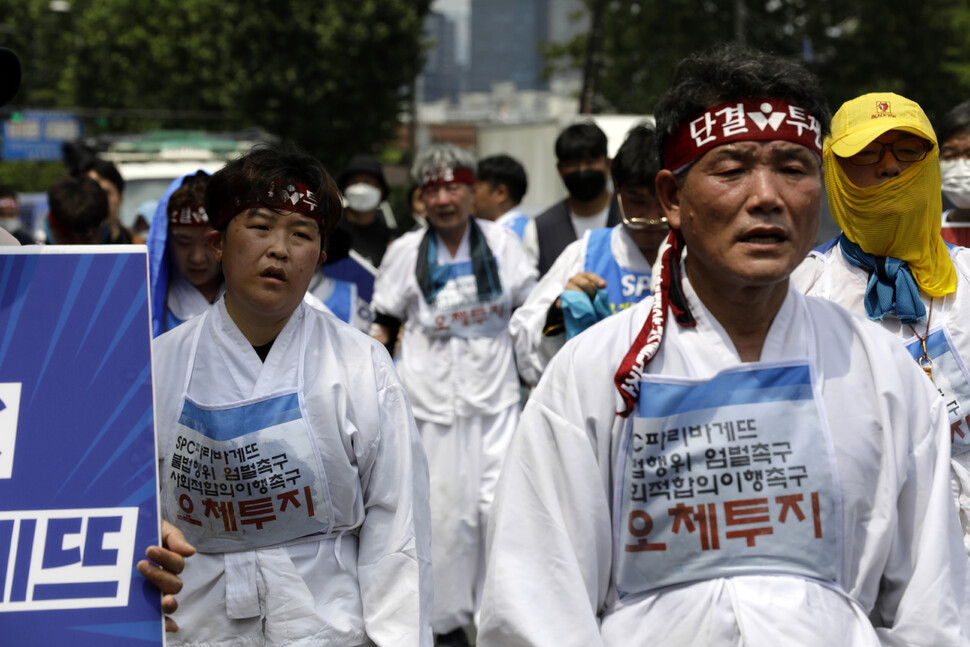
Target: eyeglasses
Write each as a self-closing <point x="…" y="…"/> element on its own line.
<point x="637" y="223"/>
<point x="911" y="149"/>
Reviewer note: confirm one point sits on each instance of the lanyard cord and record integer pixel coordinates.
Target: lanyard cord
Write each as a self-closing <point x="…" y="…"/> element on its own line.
<point x="925" y="362"/>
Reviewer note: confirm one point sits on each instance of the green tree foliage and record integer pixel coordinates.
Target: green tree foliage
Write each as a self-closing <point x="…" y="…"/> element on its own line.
<point x="326" y="74"/>
<point x="30" y="177"/>
<point x="919" y="49"/>
<point x="333" y="75"/>
<point x="41" y="38"/>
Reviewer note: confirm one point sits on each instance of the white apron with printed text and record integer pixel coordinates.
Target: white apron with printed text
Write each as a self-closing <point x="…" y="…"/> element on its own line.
<point x="246" y="474"/>
<point x="728" y="476"/>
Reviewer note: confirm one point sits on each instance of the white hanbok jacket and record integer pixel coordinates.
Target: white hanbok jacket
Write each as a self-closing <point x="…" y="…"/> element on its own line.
<point x="832" y="277"/>
<point x="370" y="576"/>
<point x="451" y="375"/>
<point x="550" y="578"/>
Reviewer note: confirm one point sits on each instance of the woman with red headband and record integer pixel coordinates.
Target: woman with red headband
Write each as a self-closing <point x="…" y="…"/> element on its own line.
<point x="289" y="457"/>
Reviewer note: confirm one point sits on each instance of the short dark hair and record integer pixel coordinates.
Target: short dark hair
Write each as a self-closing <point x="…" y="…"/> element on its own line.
<point x="190" y="194"/>
<point x="579" y="141"/>
<point x="104" y="169"/>
<point x="503" y="169"/>
<point x="733" y="72"/>
<point x="956" y="119"/>
<point x="244" y="180"/>
<point x="636" y="163"/>
<point x="78" y="204"/>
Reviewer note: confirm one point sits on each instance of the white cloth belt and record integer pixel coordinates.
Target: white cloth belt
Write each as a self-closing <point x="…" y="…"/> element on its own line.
<point x="242" y="595"/>
<point x="242" y="572"/>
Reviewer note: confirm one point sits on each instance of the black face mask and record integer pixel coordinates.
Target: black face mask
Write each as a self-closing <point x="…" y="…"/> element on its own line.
<point x="585" y="185"/>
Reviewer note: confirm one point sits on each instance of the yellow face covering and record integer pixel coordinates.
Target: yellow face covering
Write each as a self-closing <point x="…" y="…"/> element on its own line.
<point x="901" y="217"/>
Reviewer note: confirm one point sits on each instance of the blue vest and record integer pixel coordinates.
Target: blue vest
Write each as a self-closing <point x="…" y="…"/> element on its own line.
<point x="624" y="288"/>
<point x="342" y="301"/>
<point x="348" y="269"/>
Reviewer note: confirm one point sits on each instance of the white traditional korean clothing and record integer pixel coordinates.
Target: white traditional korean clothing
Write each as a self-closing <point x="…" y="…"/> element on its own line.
<point x="457" y="364"/>
<point x="302" y="482"/>
<point x="832" y="277"/>
<point x="574" y="559"/>
<point x="184" y="301"/>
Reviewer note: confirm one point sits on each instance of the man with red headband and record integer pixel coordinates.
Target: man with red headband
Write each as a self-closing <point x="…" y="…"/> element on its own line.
<point x="454" y="286"/>
<point x="288" y="454"/>
<point x="729" y="462"/>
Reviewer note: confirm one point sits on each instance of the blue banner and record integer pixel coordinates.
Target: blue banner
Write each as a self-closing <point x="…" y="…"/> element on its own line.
<point x="78" y="487"/>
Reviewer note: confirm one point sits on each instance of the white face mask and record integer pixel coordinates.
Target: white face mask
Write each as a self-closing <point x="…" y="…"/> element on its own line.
<point x="362" y="197"/>
<point x="956" y="181"/>
<point x="10" y="224"/>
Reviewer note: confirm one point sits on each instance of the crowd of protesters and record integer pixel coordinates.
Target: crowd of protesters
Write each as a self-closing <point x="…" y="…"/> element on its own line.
<point x="728" y="437"/>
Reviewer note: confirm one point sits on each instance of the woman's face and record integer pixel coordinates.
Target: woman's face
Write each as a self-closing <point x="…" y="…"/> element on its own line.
<point x="268" y="258"/>
<point x="192" y="257"/>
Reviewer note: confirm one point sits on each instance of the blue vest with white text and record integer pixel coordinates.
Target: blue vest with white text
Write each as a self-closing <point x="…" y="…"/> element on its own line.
<point x="623" y="287"/>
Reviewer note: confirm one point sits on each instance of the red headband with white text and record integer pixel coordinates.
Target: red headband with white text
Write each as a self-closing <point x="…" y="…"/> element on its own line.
<point x="280" y="196"/>
<point x="738" y="121"/>
<point x="447" y="175"/>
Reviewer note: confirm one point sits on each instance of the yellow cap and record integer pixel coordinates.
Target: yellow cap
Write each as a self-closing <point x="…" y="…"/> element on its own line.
<point x="865" y="118"/>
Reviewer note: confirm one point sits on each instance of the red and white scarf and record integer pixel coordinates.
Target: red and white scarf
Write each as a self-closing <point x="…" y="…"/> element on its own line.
<point x="670" y="294"/>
